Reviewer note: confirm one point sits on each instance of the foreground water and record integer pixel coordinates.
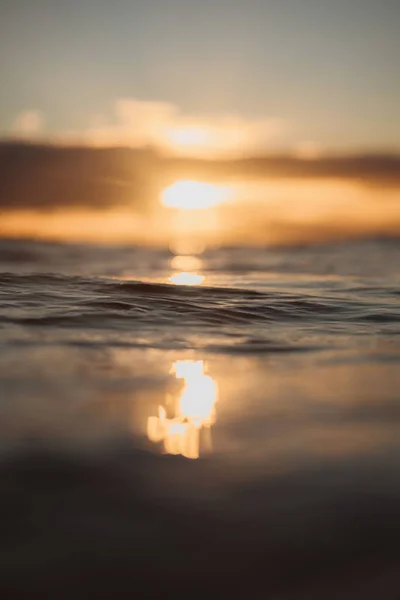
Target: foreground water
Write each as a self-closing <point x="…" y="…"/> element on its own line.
<point x="280" y="374"/>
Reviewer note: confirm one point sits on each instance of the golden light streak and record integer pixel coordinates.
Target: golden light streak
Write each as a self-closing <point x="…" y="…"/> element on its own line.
<point x="193" y="412"/>
<point x="187" y="267"/>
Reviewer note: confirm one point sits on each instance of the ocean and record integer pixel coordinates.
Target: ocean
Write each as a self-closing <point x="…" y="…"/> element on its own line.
<point x="223" y="424"/>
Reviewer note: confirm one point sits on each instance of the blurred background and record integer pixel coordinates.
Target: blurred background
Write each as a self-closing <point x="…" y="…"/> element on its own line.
<point x="273" y="122"/>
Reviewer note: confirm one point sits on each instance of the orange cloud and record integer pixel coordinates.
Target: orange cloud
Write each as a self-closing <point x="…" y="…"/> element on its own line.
<point x="139" y="123"/>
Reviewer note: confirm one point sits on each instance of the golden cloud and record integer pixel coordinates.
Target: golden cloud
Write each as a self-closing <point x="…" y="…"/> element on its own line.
<point x="138" y="123"/>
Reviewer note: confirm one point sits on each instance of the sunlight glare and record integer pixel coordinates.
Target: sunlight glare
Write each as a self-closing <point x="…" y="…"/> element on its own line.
<point x="185" y="278"/>
<point x="194" y="195"/>
<point x="194" y="411"/>
<point x="187" y="270"/>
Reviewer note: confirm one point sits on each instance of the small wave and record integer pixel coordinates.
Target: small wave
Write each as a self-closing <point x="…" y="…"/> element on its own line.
<point x="49" y="300"/>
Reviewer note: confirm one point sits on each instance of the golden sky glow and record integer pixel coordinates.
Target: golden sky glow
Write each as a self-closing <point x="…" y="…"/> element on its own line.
<point x="191" y="215"/>
<point x="195" y="137"/>
<point x="241" y="69"/>
<point x="194" y="195"/>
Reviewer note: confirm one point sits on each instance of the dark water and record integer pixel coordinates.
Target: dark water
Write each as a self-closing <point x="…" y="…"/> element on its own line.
<point x="280" y="374"/>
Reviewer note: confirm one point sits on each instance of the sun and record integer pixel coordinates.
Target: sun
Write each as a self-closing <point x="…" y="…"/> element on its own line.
<point x="194" y="195"/>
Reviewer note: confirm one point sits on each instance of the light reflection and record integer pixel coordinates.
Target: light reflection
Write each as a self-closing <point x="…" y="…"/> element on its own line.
<point x="194" y="195"/>
<point x="185" y="278"/>
<point x="186" y="263"/>
<point x="186" y="247"/>
<point x="187" y="271"/>
<point x="193" y="412"/>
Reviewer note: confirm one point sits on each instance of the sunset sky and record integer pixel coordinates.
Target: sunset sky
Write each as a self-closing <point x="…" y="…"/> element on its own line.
<point x="307" y="75"/>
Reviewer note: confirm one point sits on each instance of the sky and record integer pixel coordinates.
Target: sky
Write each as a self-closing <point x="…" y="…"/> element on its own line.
<point x="309" y="75"/>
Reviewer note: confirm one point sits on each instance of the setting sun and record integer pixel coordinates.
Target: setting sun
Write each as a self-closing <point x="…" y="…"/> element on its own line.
<point x="194" y="195"/>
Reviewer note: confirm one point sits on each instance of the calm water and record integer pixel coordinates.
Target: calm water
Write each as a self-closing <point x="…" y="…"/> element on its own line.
<point x="192" y="439"/>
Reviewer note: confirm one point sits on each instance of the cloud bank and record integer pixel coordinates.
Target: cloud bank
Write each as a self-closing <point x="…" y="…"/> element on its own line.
<point x="48" y="177"/>
<point x="137" y="123"/>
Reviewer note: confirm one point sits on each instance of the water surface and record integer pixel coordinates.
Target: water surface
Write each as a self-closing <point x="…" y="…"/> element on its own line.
<point x="241" y="429"/>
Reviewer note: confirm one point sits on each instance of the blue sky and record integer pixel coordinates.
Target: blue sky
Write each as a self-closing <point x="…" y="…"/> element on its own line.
<point x="325" y="68"/>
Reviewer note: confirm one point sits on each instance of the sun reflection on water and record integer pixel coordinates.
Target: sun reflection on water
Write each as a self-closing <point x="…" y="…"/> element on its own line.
<point x="185" y="278"/>
<point x="186" y="271"/>
<point x="193" y="412"/>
